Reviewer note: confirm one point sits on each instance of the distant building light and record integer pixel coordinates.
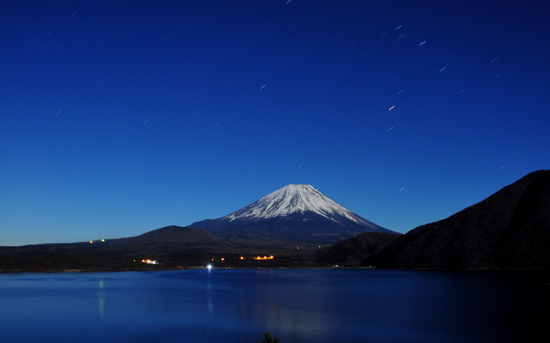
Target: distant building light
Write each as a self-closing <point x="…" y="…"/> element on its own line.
<point x="242" y="258"/>
<point x="91" y="242"/>
<point x="264" y="258"/>
<point x="102" y="240"/>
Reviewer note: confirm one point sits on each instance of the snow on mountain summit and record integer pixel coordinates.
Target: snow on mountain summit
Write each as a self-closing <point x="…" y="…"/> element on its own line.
<point x="296" y="199"/>
<point x="294" y="213"/>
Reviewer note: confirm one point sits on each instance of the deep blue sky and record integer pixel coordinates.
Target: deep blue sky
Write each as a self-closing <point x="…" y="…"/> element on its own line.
<point x="120" y="117"/>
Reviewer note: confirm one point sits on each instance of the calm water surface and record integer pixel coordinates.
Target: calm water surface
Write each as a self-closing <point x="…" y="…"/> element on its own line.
<point x="295" y="305"/>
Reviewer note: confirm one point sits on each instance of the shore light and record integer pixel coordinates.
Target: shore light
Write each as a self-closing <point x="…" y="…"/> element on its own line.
<point x="264" y="258"/>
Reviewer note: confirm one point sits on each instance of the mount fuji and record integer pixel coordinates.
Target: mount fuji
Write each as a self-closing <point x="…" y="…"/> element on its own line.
<point x="292" y="214"/>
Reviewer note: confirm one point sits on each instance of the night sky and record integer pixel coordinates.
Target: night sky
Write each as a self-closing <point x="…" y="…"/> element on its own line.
<point x="121" y="117"/>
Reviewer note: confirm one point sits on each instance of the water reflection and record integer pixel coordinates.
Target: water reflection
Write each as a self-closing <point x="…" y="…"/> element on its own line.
<point x="209" y="293"/>
<point x="296" y="306"/>
<point x="101" y="298"/>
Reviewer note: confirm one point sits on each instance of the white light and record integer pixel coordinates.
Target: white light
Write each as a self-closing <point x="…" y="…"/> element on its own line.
<point x="209" y="267"/>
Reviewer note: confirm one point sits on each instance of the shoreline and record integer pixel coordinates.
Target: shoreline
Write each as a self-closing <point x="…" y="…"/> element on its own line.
<point x="181" y="268"/>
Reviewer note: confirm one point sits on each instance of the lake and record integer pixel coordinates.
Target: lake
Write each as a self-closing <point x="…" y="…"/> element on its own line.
<point x="297" y="305"/>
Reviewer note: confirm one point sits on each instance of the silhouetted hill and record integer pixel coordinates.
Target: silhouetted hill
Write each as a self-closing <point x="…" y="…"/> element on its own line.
<point x="353" y="251"/>
<point x="186" y="236"/>
<point x="173" y="246"/>
<point x="510" y="229"/>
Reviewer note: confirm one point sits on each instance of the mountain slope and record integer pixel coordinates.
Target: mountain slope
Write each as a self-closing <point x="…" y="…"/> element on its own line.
<point x="295" y="213"/>
<point x="353" y="251"/>
<point x="511" y="228"/>
<point x="174" y="247"/>
<point x="174" y="235"/>
<point x="297" y="199"/>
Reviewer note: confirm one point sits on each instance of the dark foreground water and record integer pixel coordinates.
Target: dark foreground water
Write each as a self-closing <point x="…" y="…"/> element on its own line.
<point x="295" y="305"/>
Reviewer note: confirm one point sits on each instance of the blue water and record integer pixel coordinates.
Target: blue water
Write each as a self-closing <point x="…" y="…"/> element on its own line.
<point x="312" y="305"/>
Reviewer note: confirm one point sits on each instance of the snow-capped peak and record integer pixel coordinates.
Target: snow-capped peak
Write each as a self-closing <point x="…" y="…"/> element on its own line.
<point x="296" y="199"/>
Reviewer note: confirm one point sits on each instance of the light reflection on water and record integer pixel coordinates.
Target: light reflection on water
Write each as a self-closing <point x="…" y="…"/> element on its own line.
<point x="101" y="298"/>
<point x="295" y="305"/>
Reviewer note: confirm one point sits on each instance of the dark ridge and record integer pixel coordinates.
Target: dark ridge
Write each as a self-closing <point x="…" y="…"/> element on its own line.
<point x="353" y="251"/>
<point x="187" y="236"/>
<point x="509" y="229"/>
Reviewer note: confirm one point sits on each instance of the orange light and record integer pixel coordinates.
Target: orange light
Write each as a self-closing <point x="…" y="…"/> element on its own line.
<point x="223" y="259"/>
<point x="242" y="258"/>
<point x="264" y="258"/>
<point x="91" y="242"/>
